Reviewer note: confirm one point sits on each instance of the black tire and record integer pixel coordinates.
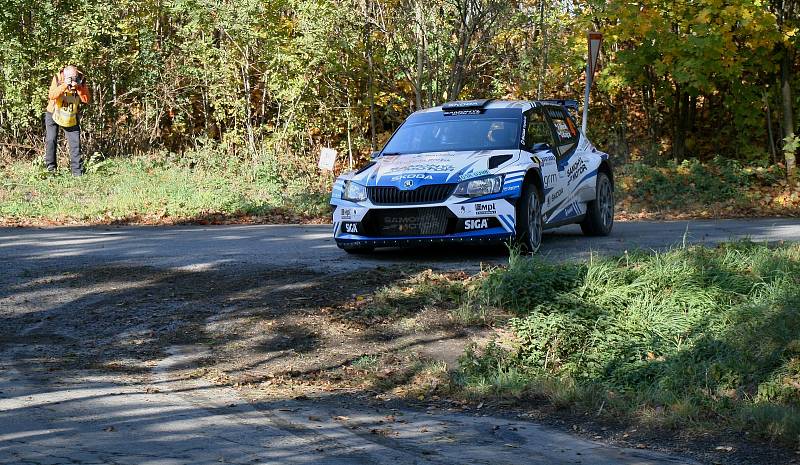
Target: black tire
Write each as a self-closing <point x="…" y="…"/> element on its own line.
<point x="600" y="211"/>
<point x="358" y="249"/>
<point x="530" y="224"/>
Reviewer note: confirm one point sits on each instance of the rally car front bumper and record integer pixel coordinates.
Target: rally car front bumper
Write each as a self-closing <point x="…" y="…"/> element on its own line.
<point x="359" y="225"/>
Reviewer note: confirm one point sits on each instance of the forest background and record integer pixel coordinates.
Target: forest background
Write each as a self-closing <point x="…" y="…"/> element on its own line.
<point x="196" y="96"/>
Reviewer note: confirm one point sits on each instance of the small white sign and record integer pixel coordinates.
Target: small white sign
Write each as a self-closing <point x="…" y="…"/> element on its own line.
<point x="327" y="159"/>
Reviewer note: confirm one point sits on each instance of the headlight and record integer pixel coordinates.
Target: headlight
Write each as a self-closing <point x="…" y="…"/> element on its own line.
<point x="479" y="187"/>
<point x="354" y="191"/>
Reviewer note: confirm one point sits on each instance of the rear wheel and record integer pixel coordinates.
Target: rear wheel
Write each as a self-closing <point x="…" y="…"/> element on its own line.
<point x="600" y="211"/>
<point x="529" y="219"/>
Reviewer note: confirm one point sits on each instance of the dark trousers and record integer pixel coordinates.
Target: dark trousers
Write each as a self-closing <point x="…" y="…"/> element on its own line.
<point x="51" y="142"/>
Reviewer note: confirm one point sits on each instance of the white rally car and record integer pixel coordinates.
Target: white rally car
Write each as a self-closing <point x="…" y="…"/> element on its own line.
<point x="478" y="170"/>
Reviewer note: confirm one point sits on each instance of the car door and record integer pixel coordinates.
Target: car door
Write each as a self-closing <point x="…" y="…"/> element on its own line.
<point x="540" y="143"/>
<point x="561" y="204"/>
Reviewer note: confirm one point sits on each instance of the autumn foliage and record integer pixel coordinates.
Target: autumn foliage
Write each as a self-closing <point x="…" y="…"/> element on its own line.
<point x="271" y="82"/>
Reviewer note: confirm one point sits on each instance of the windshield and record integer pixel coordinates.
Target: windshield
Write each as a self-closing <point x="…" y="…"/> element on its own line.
<point x="455" y="135"/>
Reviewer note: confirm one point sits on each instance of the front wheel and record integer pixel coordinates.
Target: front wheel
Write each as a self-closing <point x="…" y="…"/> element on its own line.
<point x="600" y="211"/>
<point x="529" y="220"/>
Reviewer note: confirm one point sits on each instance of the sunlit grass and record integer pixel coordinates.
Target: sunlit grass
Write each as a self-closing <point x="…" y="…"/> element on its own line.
<point x="148" y="190"/>
<point x="683" y="337"/>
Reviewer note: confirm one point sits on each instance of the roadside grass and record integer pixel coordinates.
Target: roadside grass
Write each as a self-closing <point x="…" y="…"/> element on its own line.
<point x="197" y="187"/>
<point x="208" y="186"/>
<point x="693" y="337"/>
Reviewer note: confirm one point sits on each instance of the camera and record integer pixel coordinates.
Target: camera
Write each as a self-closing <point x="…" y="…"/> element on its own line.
<point x="76" y="80"/>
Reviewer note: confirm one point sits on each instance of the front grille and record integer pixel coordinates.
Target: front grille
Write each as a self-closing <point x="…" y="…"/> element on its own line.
<point x="409" y="222"/>
<point x="432" y="193"/>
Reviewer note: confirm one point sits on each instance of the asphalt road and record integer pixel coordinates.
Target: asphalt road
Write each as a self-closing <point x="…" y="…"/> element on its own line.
<point x="164" y="416"/>
<point x="312" y="246"/>
<point x="171" y="420"/>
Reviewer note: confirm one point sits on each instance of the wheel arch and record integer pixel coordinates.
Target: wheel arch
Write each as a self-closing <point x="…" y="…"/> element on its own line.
<point x="605" y="167"/>
<point x="534" y="176"/>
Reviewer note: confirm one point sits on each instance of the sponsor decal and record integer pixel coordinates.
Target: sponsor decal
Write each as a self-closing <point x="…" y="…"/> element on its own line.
<point x="547" y="160"/>
<point x="550" y="180"/>
<point x="575" y="170"/>
<point x="347" y="213"/>
<point x="476" y="224"/>
<point x="426" y="177"/>
<point x="438" y="158"/>
<point x="510" y="189"/>
<point x="485" y="208"/>
<point x="462" y="112"/>
<point x="466" y="103"/>
<point x="400" y="219"/>
<point x="432" y="167"/>
<point x="473" y="174"/>
<point x="351" y="228"/>
<point x="562" y="129"/>
<point x="555" y="195"/>
<point x="524" y="127"/>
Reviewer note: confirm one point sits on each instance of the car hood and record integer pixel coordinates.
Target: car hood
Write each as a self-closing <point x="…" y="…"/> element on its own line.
<point x="408" y="172"/>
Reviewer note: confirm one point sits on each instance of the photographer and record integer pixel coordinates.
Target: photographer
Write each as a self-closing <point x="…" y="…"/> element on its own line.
<point x="67" y="91"/>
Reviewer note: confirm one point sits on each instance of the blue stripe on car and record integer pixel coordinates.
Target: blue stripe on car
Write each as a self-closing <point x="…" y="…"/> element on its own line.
<point x="590" y="174"/>
<point x="508" y="222"/>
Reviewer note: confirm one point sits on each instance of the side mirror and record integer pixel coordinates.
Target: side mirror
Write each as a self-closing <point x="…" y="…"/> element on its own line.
<point x="374" y="155"/>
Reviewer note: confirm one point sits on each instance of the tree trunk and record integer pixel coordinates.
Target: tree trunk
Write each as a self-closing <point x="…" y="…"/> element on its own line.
<point x="680" y="122"/>
<point x="543" y="67"/>
<point x="769" y="129"/>
<point x="622" y="136"/>
<point x="370" y="76"/>
<point x="420" y="54"/>
<point x="788" y="116"/>
<point x="245" y="67"/>
<point x="464" y="36"/>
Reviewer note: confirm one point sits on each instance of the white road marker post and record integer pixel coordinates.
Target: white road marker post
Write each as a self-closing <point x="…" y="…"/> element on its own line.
<point x="595" y="39"/>
<point x="327" y="159"/>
